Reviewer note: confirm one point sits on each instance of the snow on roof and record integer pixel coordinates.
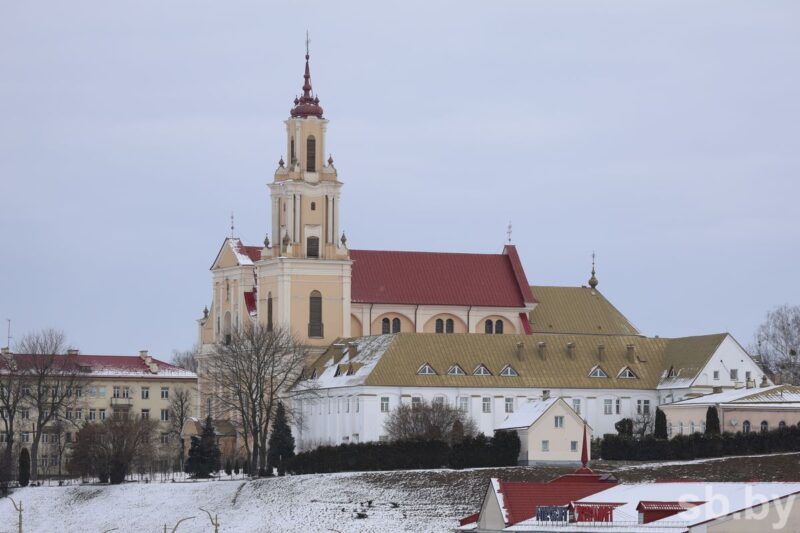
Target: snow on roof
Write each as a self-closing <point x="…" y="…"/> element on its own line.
<point x="119" y="366"/>
<point x="500" y="499"/>
<point x="359" y="355"/>
<point x="527" y="414"/>
<point x="771" y="393"/>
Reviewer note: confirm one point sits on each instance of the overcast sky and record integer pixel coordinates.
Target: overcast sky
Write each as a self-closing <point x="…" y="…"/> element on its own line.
<point x="662" y="135"/>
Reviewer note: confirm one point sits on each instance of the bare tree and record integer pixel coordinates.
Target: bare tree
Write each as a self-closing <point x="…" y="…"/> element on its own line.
<point x="50" y="377"/>
<point x="186" y="358"/>
<point x="248" y="375"/>
<point x="11" y="399"/>
<point x="778" y="343"/>
<point x="427" y="421"/>
<point x="180" y="407"/>
<point x="643" y="423"/>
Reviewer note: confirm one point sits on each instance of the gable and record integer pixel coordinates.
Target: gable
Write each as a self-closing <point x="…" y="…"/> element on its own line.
<point x="233" y="253"/>
<point x="577" y="310"/>
<point x="686" y="357"/>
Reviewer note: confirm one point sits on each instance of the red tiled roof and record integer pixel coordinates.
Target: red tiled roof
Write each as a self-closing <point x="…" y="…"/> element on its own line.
<point x="474" y="517"/>
<point x="250" y="301"/>
<point x="430" y="278"/>
<point x="253" y="252"/>
<point x="109" y="364"/>
<point x="522" y="499"/>
<point x="666" y="506"/>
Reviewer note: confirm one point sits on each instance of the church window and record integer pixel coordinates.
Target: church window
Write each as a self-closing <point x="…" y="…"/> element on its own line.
<point x="448" y="326"/>
<point x="764" y="426"/>
<point x="426" y="370"/>
<point x="312" y="247"/>
<point x="313" y="206"/>
<point x="456" y="370"/>
<point x="626" y="373"/>
<point x="781" y="425"/>
<point x="315" y="328"/>
<point x="746" y="426"/>
<point x="395" y="325"/>
<point x="509" y="372"/>
<point x="227" y="290"/>
<point x="311" y="154"/>
<point x="269" y="311"/>
<point x="385" y="326"/>
<point x="439" y="325"/>
<point x="488" y="327"/>
<point x="598" y="372"/>
<point x="498" y="327"/>
<point x="293" y="158"/>
<point x="481" y="370"/>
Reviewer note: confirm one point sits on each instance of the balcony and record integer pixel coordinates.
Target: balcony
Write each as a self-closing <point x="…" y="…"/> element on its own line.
<point x="121" y="403"/>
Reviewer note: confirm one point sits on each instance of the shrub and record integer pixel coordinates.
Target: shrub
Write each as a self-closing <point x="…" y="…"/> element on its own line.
<point x="712" y="421"/>
<point x="624" y="427"/>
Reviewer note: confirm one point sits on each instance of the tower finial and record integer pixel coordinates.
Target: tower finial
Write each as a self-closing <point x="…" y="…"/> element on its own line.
<point x="593" y="280"/>
<point x="308" y="41"/>
<point x="508" y="232"/>
<point x="232" y="226"/>
<point x="306" y="105"/>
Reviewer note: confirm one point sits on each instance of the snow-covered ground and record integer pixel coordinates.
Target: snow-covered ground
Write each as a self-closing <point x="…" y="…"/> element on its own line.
<point x="289" y="504"/>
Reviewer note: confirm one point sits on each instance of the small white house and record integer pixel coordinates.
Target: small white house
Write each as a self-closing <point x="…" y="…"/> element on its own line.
<point x="550" y="431"/>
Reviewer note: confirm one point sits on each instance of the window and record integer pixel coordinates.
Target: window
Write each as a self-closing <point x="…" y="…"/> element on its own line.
<point x="439" y="400"/>
<point x="598" y="372"/>
<point x="680" y="427"/>
<point x="456" y="370"/>
<point x="101" y="414"/>
<point x="347" y="405"/>
<point x="747" y="375"/>
<point x="24" y="414"/>
<point x="488" y="327"/>
<point x="618" y="406"/>
<point x="626" y="373"/>
<point x="703" y="426"/>
<point x="643" y="407"/>
<point x="164" y="438"/>
<point x="79" y="392"/>
<point x="145" y="393"/>
<point x="734" y="374"/>
<point x="498" y="327"/>
<point x="416" y="402"/>
<point x="165" y="415"/>
<point x="315" y="315"/>
<point x="558" y="421"/>
<point x="573" y="446"/>
<point x="691" y="427"/>
<point x="608" y="407"/>
<point x="716" y="374"/>
<point x="313" y="206"/>
<point x="26" y="437"/>
<point x="116" y="391"/>
<point x="384" y="404"/>
<point x="92" y="414"/>
<point x="576" y="405"/>
<point x="395" y="325"/>
<point x="463" y="404"/>
<point x="487" y="405"/>
<point x="78" y="414"/>
<point x="546" y="394"/>
<point x="669" y="430"/>
<point x="509" y="405"/>
<point x="69" y="414"/>
<point x="439" y="325"/>
<point x="165" y="393"/>
<point x="508" y="371"/>
<point x="448" y="326"/>
<point x="312" y="247"/>
<point x="781" y="425"/>
<point x="383" y="438"/>
<point x="292" y="156"/>
<point x="145" y="413"/>
<point x="426" y="370"/>
<point x="26" y="390"/>
<point x="764" y="426"/>
<point x="545" y="445"/>
<point x="481" y="370"/>
<point x="92" y="391"/>
<point x="269" y="311"/>
<point x="385" y="326"/>
<point x="746" y="426"/>
<point x="101" y="392"/>
<point x="126" y="392"/>
<point x="311" y="154"/>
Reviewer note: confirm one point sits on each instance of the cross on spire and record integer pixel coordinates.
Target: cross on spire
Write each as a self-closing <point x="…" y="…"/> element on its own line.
<point x="308" y="41"/>
<point x="508" y="232"/>
<point x="232" y="225"/>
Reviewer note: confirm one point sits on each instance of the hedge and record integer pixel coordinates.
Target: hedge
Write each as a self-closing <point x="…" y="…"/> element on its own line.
<point x="480" y="451"/>
<point x="700" y="445"/>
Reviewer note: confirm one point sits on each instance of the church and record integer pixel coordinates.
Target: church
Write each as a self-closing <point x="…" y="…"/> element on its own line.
<point x="385" y="327"/>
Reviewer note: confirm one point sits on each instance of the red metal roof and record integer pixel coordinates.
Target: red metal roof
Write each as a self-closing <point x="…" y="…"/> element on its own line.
<point x="676" y="507"/>
<point x="109" y="364"/>
<point x="253" y="252"/>
<point x="522" y="499"/>
<point x="430" y="278"/>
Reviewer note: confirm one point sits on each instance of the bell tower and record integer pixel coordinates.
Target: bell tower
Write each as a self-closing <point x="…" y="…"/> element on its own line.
<point x="305" y="266"/>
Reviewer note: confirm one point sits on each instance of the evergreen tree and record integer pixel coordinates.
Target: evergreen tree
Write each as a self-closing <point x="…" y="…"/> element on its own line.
<point x="204" y="454"/>
<point x="661" y="425"/>
<point x="236" y="467"/>
<point x="624" y="427"/>
<point x="457" y="433"/>
<point x="281" y="443"/>
<point x="712" y="421"/>
<point x="24" y="467"/>
<point x="228" y="467"/>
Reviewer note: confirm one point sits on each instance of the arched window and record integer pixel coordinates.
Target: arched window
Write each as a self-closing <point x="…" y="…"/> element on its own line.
<point x="312" y="247"/>
<point x="746" y="426"/>
<point x="439" y="325"/>
<point x="448" y="326"/>
<point x="311" y="154"/>
<point x="292" y="156"/>
<point x="395" y="325"/>
<point x="498" y="327"/>
<point x="315" y="315"/>
<point x="488" y="327"/>
<point x="764" y="426"/>
<point x="680" y="427"/>
<point x="781" y="425"/>
<point x="313" y="206"/>
<point x="385" y="326"/>
<point x="269" y="311"/>
<point x="226" y="328"/>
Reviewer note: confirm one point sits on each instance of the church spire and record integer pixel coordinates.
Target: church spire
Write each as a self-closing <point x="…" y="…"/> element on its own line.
<point x="593" y="280"/>
<point x="307" y="105"/>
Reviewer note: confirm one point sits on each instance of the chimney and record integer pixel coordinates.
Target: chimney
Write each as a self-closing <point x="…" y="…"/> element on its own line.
<point x="764" y="382"/>
<point x="631" y="352"/>
<point x="716" y="390"/>
<point x="339" y="349"/>
<point x="542" y="346"/>
<point x="5" y="351"/>
<point x="571" y="349"/>
<point x="738" y="385"/>
<point x="143" y="354"/>
<point x="601" y="352"/>
<point x="153" y="367"/>
<point x="750" y="383"/>
<point x="520" y="350"/>
<point x="73" y="351"/>
<point x="352" y="350"/>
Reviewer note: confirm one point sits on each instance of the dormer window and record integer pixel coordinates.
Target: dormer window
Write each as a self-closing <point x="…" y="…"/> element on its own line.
<point x="456" y="370"/>
<point x="313" y="374"/>
<point x="598" y="372"/>
<point x="426" y="370"/>
<point x="338" y="371"/>
<point x="481" y="370"/>
<point x="509" y="372"/>
<point x="626" y="373"/>
<point x="672" y="373"/>
<point x="350" y="370"/>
